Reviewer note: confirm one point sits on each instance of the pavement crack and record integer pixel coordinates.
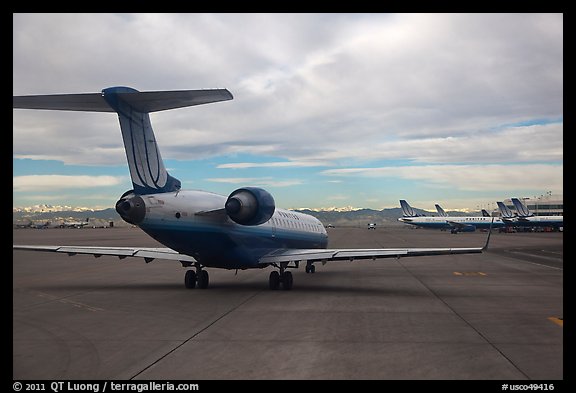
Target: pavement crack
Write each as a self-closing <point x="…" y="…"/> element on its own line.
<point x="464" y="320"/>
<point x="195" y="335"/>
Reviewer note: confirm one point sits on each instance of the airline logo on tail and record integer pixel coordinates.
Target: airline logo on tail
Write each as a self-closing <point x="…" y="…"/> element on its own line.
<point x="505" y="212"/>
<point x="521" y="208"/>
<point x="149" y="176"/>
<point x="441" y="211"/>
<point x="407" y="210"/>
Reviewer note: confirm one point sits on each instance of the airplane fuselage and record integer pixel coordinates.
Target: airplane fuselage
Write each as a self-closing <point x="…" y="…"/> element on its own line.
<point x="177" y="220"/>
<point x="447" y="222"/>
<point x="539" y="221"/>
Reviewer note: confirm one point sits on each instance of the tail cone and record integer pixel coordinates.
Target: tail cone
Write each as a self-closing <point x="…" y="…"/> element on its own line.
<point x="132" y="210"/>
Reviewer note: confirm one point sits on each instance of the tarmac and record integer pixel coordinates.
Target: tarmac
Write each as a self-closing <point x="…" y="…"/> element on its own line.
<point x="491" y="316"/>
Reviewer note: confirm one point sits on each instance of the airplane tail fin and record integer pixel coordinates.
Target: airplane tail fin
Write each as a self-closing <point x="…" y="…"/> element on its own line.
<point x="485" y="213"/>
<point x="441" y="211"/>
<point x="147" y="169"/>
<point x="521" y="208"/>
<point x="407" y="210"/>
<point x="505" y="212"/>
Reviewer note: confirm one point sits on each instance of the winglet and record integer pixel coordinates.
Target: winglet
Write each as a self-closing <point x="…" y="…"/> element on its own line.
<point x="489" y="233"/>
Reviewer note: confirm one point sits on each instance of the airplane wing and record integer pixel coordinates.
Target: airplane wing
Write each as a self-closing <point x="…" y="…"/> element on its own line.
<point x="149" y="254"/>
<point x="327" y="255"/>
<point x="282" y="255"/>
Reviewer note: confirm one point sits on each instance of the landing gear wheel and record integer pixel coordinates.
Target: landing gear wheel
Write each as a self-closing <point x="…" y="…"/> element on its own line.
<point x="312" y="269"/>
<point x="190" y="279"/>
<point x="203" y="279"/>
<point x="274" y="280"/>
<point x="287" y="281"/>
<point x="307" y="269"/>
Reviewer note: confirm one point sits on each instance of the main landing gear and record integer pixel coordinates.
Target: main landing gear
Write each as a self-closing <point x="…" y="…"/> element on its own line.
<point x="284" y="277"/>
<point x="199" y="276"/>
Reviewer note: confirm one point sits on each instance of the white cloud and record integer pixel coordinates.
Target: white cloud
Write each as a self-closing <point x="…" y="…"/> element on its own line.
<point x="361" y="79"/>
<point x="309" y="89"/>
<point x="260" y="182"/>
<point x="338" y="197"/>
<point x="56" y="182"/>
<point x="290" y="164"/>
<point x="469" y="177"/>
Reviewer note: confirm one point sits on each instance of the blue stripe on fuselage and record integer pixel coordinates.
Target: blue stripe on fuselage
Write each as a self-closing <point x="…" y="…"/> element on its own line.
<point x="229" y="246"/>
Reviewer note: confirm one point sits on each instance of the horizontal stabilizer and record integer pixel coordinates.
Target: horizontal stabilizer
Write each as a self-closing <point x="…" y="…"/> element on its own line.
<point x="145" y="102"/>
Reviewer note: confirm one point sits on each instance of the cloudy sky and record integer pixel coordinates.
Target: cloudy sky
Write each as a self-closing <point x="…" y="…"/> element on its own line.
<point x="329" y="109"/>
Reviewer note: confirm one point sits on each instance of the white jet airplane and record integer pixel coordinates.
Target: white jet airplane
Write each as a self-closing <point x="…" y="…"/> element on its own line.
<point x="454" y="223"/>
<point x="201" y="229"/>
<point x="76" y="224"/>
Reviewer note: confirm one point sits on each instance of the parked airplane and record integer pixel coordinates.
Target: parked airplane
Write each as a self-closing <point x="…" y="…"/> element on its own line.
<point x="527" y="219"/>
<point x="34" y="225"/>
<point x="454" y="223"/>
<point x="202" y="229"/>
<point x="76" y="224"/>
<point x="30" y="224"/>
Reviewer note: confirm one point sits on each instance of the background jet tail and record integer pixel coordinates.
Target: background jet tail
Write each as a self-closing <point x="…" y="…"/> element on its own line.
<point x="441" y="211"/>
<point x="147" y="169"/>
<point x="505" y="212"/>
<point x="521" y="208"/>
<point x="407" y="210"/>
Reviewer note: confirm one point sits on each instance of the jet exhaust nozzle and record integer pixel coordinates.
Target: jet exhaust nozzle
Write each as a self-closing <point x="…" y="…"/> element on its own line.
<point x="250" y="206"/>
<point x="132" y="209"/>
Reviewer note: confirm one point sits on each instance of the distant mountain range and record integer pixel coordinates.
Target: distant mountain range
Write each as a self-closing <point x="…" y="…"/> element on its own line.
<point x="50" y="208"/>
<point x="335" y="216"/>
<point x="61" y="215"/>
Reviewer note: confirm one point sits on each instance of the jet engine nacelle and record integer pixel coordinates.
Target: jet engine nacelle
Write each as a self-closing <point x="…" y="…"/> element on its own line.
<point x="250" y="206"/>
